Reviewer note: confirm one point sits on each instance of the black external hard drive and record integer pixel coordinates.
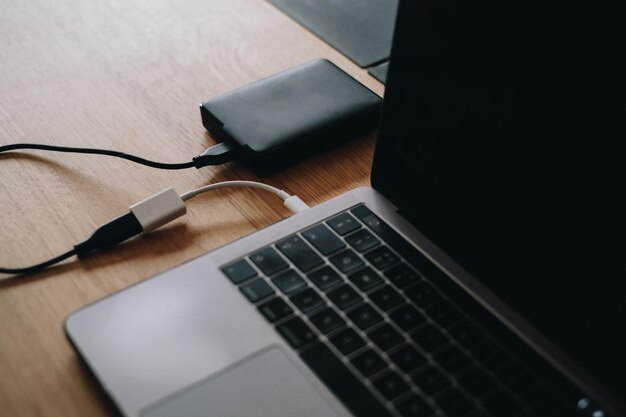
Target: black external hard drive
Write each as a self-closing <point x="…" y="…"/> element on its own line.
<point x="283" y="118"/>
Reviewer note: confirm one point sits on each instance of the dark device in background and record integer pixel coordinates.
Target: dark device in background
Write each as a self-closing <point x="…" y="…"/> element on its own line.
<point x="360" y="29"/>
<point x="281" y="119"/>
<point x="507" y="119"/>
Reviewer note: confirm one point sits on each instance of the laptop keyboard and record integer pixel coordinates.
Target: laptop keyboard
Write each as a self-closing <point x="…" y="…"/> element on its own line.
<point x="354" y="299"/>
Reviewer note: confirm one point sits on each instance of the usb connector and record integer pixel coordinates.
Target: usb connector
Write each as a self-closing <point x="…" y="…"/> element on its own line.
<point x="158" y="210"/>
<point x="144" y="217"/>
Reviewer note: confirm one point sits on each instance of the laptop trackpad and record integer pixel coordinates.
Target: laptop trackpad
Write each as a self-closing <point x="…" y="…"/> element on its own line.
<point x="266" y="384"/>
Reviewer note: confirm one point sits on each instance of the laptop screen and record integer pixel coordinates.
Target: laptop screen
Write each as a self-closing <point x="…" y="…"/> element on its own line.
<point x="502" y="140"/>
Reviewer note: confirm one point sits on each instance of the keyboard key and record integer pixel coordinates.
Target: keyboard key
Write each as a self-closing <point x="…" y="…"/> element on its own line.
<point x="456" y="403"/>
<point x="402" y="276"/>
<point x="385" y="337"/>
<point x="368" y="363"/>
<point x="289" y="281"/>
<point x="325" y="278"/>
<point x="365" y="316"/>
<point x="366" y="216"/>
<point x="275" y="309"/>
<point x="452" y="359"/>
<point x="268" y="261"/>
<point x="344" y="296"/>
<point x="391" y="385"/>
<point x="323" y="239"/>
<point x="476" y="381"/>
<point x="414" y="406"/>
<point x="374" y="223"/>
<point x="307" y="300"/>
<point x="386" y="298"/>
<point x="296" y="332"/>
<point x="239" y="271"/>
<point x="256" y="290"/>
<point x="347" y="341"/>
<point x="408" y="358"/>
<point x="423" y="294"/>
<point x="408" y="317"/>
<point x="365" y="279"/>
<point x="362" y="240"/>
<point x="347" y="261"/>
<point x="343" y="383"/>
<point x="299" y="253"/>
<point x="327" y="320"/>
<point x="430" y="380"/>
<point x="429" y="338"/>
<point x="344" y="224"/>
<point x="466" y="334"/>
<point x="444" y="314"/>
<point x="382" y="258"/>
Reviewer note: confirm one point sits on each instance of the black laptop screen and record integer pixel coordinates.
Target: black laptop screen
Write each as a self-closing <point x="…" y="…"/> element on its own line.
<point x="502" y="139"/>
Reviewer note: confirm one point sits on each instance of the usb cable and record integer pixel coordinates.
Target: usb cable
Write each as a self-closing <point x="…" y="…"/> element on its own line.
<point x="148" y="215"/>
<point x="215" y="155"/>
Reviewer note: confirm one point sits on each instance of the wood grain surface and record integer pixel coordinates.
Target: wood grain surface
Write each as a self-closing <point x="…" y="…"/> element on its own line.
<point x="127" y="75"/>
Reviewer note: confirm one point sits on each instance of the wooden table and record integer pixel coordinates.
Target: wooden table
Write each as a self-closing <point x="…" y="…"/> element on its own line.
<point x="127" y="75"/>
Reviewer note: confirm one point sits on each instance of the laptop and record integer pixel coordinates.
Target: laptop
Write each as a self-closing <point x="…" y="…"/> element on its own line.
<point x="482" y="274"/>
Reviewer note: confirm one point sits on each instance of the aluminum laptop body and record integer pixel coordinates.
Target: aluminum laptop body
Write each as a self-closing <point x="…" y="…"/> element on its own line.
<point x="482" y="275"/>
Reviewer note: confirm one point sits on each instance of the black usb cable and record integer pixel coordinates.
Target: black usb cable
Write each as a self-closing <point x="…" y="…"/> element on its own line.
<point x="215" y="155"/>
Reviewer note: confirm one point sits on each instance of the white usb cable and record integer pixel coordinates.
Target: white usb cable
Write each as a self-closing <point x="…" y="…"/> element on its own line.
<point x="167" y="205"/>
<point x="292" y="202"/>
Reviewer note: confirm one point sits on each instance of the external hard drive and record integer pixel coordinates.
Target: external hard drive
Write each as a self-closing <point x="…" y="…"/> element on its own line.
<point x="283" y="118"/>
